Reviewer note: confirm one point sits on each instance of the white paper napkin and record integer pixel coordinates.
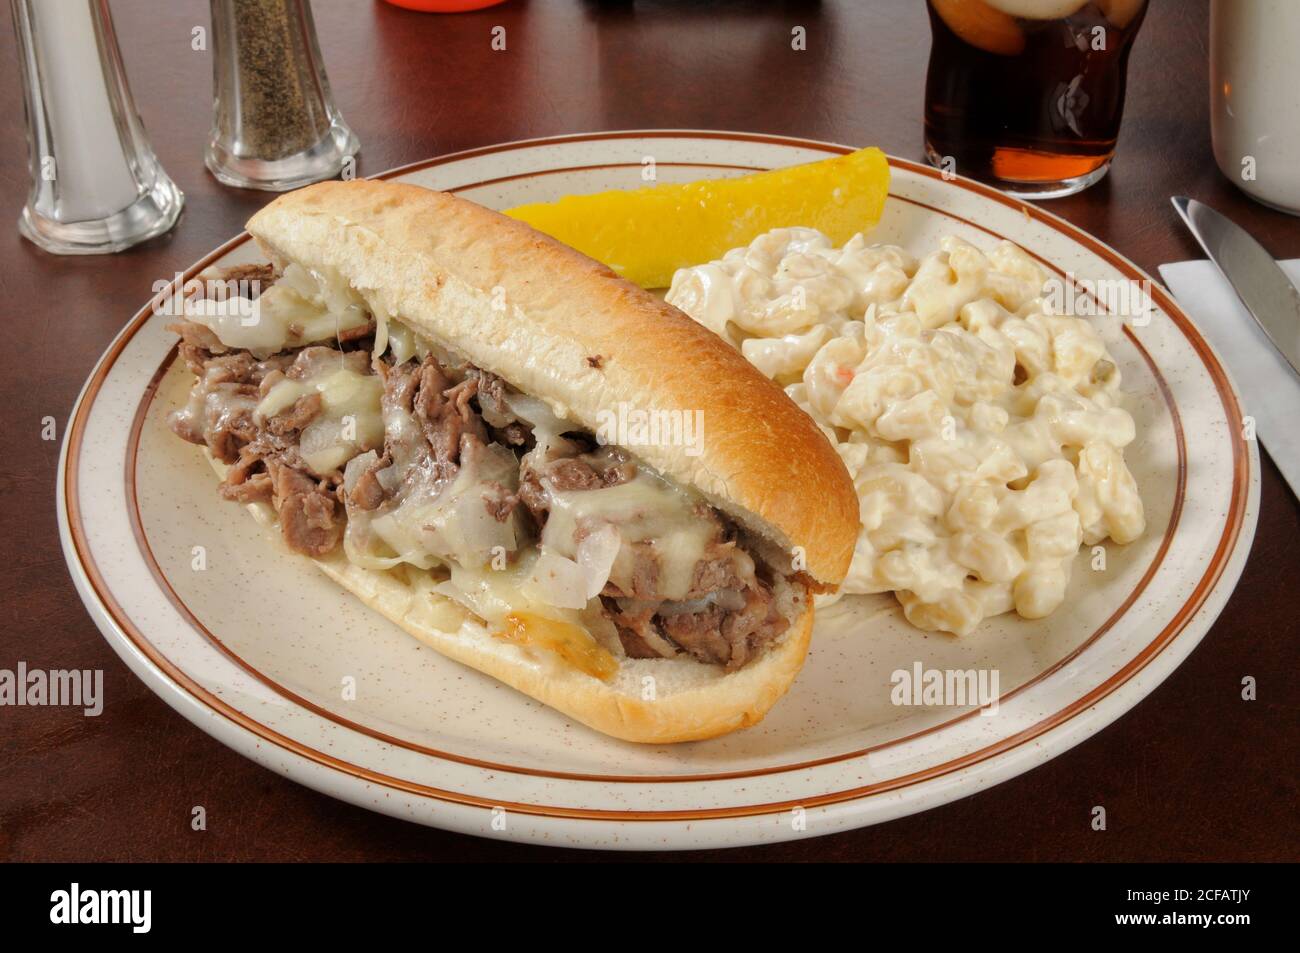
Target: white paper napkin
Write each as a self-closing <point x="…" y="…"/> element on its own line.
<point x="1270" y="389"/>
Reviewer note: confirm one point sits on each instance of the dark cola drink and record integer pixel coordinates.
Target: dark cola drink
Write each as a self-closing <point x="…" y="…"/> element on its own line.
<point x="1028" y="94"/>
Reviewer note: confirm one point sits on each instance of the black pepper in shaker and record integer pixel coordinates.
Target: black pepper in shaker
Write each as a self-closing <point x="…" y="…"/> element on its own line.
<point x="274" y="123"/>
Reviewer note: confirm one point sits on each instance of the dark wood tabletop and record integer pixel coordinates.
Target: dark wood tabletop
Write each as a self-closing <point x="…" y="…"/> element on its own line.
<point x="1194" y="772"/>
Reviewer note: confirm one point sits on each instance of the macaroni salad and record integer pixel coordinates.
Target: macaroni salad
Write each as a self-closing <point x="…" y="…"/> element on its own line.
<point x="984" y="434"/>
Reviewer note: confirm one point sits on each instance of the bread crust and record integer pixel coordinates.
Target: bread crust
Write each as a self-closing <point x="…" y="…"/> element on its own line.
<point x="562" y="327"/>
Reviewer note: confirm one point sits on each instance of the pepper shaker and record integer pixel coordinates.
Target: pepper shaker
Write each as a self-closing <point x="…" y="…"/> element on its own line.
<point x="97" y="186"/>
<point x="274" y="122"/>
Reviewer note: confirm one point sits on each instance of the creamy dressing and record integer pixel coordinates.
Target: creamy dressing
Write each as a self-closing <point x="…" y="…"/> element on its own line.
<point x="984" y="432"/>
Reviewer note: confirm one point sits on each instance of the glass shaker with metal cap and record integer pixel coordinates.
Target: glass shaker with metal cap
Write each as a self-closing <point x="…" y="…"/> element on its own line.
<point x="274" y="122"/>
<point x="97" y="186"/>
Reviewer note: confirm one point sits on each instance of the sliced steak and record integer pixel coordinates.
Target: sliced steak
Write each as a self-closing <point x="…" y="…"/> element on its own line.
<point x="400" y="384"/>
<point x="251" y="488"/>
<point x="369" y="493"/>
<point x="642" y="580"/>
<point x="251" y="278"/>
<point x="727" y="637"/>
<point x="492" y="399"/>
<point x="441" y="422"/>
<point x="572" y="474"/>
<point x="727" y="633"/>
<point x="567" y="474"/>
<point x="446" y="415"/>
<point x="700" y="634"/>
<point x="348" y="335"/>
<point x="304" y="410"/>
<point x="317" y="359"/>
<point x="264" y="463"/>
<point x="196" y="338"/>
<point x="636" y="629"/>
<point x="310" y="521"/>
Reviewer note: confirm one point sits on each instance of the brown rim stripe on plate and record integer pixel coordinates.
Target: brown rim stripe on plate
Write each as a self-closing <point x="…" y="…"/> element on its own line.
<point x="604" y="165"/>
<point x="1240" y="486"/>
<point x="137" y="526"/>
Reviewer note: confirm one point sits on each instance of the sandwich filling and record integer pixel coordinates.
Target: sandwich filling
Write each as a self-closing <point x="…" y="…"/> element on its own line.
<point x="372" y="442"/>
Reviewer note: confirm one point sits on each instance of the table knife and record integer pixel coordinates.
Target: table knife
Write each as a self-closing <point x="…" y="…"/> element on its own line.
<point x="1260" y="283"/>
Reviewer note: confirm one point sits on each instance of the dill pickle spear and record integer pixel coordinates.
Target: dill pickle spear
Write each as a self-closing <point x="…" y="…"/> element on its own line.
<point x="647" y="234"/>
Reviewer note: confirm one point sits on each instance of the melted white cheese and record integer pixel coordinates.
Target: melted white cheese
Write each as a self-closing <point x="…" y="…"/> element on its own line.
<point x="646" y="508"/>
<point x="349" y="423"/>
<point x="300" y="308"/>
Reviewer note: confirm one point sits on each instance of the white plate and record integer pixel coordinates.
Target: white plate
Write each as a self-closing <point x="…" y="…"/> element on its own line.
<point x="256" y="648"/>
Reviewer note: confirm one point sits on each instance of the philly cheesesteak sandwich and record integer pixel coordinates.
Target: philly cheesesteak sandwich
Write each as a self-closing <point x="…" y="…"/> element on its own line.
<point x="421" y="393"/>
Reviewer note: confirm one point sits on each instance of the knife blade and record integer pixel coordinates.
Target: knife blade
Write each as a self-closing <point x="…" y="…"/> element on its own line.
<point x="1259" y="282"/>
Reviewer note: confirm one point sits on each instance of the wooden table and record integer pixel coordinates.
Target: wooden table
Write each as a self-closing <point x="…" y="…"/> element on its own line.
<point x="1194" y="772"/>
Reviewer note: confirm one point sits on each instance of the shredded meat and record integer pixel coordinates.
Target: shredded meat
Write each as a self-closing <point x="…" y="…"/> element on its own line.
<point x="636" y="630"/>
<point x="304" y="410"/>
<point x="446" y="415"/>
<point x="356" y="334"/>
<point x="368" y="493"/>
<point x="308" y="510"/>
<point x="700" y="634"/>
<point x="565" y="476"/>
<point x="713" y="634"/>
<point x="310" y="361"/>
<point x="220" y="412"/>
<point x="591" y="471"/>
<point x="264" y="463"/>
<point x="649" y="625"/>
<point x="731" y="638"/>
<point x="441" y="420"/>
<point x="252" y="278"/>
<point x="195" y="339"/>
<point x="492" y="399"/>
<point x="532" y="495"/>
<point x="250" y="488"/>
<point x="399" y="387"/>
<point x="642" y="580"/>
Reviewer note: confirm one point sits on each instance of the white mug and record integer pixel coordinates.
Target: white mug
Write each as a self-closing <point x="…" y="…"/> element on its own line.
<point x="1255" y="97"/>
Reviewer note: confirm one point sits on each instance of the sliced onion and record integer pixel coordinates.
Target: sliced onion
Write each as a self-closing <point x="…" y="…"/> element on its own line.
<point x="358" y="555"/>
<point x="557" y="581"/>
<point x="650" y="635"/>
<point x="535" y="411"/>
<point x="458" y="595"/>
<point x="730" y="599"/>
<point x="382" y="318"/>
<point x="321" y="434"/>
<point x="596" y="554"/>
<point x="356" y="467"/>
<point x="489" y="595"/>
<point x="401" y="341"/>
<point x="394" y="535"/>
<point x="471" y="532"/>
<point x="390" y="478"/>
<point x="300" y="280"/>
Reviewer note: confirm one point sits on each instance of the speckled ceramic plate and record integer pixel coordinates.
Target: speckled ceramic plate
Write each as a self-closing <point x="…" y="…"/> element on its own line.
<point x="257" y="647"/>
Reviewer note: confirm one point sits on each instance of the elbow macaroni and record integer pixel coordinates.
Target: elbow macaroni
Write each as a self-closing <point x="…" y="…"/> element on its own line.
<point x="984" y="434"/>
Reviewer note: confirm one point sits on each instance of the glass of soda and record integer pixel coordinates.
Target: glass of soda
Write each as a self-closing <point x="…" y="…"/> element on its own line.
<point x="1028" y="95"/>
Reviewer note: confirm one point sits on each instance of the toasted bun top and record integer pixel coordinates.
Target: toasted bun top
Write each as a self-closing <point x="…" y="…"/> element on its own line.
<point x="560" y="326"/>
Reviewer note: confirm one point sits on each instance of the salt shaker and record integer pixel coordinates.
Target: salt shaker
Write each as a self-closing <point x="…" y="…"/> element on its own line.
<point x="97" y="186"/>
<point x="274" y="123"/>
